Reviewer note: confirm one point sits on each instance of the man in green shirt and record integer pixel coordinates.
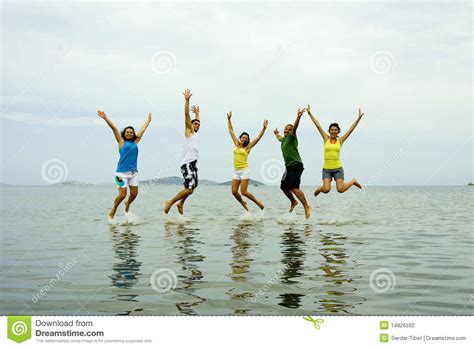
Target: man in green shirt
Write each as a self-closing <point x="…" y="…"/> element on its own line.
<point x="290" y="183"/>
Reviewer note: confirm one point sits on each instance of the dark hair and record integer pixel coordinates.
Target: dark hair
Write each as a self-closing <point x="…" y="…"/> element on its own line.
<point x="248" y="141"/>
<point x="195" y="119"/>
<point x="134" y="134"/>
<point x="334" y="125"/>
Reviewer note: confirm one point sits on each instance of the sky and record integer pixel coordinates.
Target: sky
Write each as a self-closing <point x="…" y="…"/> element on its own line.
<point x="408" y="66"/>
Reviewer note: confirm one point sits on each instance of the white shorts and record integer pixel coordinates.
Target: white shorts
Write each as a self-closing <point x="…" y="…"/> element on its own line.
<point x="124" y="180"/>
<point x="241" y="174"/>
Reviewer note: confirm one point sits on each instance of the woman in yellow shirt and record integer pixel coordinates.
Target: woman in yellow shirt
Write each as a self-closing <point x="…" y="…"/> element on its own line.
<point x="332" y="167"/>
<point x="241" y="176"/>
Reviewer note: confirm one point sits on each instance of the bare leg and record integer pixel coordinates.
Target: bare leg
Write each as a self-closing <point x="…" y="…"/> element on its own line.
<point x="344" y="186"/>
<point x="235" y="192"/>
<point x="245" y="193"/>
<point x="307" y="209"/>
<point x="180" y="205"/>
<point x="325" y="188"/>
<point x="292" y="199"/>
<point x="131" y="197"/>
<point x="122" y="193"/>
<point x="183" y="194"/>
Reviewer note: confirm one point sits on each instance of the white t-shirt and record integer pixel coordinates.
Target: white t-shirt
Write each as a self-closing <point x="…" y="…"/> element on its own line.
<point x="190" y="149"/>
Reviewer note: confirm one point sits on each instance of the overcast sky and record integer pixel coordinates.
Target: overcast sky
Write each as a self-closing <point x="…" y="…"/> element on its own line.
<point x="408" y="66"/>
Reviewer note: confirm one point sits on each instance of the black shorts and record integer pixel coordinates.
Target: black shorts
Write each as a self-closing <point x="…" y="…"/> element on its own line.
<point x="190" y="175"/>
<point x="292" y="177"/>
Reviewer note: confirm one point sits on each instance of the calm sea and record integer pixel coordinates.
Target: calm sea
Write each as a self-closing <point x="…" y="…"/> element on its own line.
<point x="388" y="250"/>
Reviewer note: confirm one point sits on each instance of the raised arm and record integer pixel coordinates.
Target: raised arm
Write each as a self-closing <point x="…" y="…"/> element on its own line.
<point x="346" y="135"/>
<point x="117" y="135"/>
<point x="297" y="121"/>
<point x="277" y="134"/>
<point x="231" y="129"/>
<point x="259" y="136"/>
<point x="195" y="110"/>
<point x="188" y="127"/>
<point x="143" y="129"/>
<point x="316" y="123"/>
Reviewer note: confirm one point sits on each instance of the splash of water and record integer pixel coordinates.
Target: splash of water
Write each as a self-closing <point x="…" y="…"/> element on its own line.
<point x="131" y="219"/>
<point x="287" y="219"/>
<point x="177" y="219"/>
<point x="339" y="221"/>
<point x="249" y="217"/>
<point x="113" y="221"/>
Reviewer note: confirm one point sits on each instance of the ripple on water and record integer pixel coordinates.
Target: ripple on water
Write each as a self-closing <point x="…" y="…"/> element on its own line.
<point x="223" y="257"/>
<point x="429" y="276"/>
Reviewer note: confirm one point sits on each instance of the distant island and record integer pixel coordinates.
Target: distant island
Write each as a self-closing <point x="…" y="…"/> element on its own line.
<point x="251" y="182"/>
<point x="175" y="180"/>
<point x="170" y="180"/>
<point x="72" y="183"/>
<point x="471" y="184"/>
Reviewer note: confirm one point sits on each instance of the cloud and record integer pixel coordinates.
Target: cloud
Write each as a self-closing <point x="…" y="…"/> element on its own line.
<point x="260" y="60"/>
<point x="36" y="120"/>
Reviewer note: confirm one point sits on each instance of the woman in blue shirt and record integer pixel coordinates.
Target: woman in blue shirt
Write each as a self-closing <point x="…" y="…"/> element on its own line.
<point x="127" y="173"/>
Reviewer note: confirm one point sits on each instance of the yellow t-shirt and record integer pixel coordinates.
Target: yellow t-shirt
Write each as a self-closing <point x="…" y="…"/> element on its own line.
<point x="240" y="158"/>
<point x="331" y="154"/>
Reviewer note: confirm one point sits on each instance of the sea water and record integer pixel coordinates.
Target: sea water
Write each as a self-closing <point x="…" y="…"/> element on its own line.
<point x="385" y="250"/>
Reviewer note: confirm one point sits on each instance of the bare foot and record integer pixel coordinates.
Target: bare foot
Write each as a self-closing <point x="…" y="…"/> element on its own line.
<point x="307" y="212"/>
<point x="356" y="183"/>
<point x="293" y="205"/>
<point x="260" y="205"/>
<point x="180" y="207"/>
<point x="244" y="204"/>
<point x="318" y="191"/>
<point x="127" y="206"/>
<point x="167" y="208"/>
<point x="112" y="213"/>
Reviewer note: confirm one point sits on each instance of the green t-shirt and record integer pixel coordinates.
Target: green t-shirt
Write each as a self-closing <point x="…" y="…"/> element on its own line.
<point x="289" y="148"/>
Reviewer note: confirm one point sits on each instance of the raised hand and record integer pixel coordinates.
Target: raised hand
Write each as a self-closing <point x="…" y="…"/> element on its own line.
<point x="229" y="115"/>
<point x="276" y="131"/>
<point x="187" y="94"/>
<point x="101" y="114"/>
<point x="301" y="112"/>
<point x="265" y="124"/>
<point x="308" y="108"/>
<point x="361" y="114"/>
<point x="149" y="117"/>
<point x="117" y="135"/>
<point x="195" y="109"/>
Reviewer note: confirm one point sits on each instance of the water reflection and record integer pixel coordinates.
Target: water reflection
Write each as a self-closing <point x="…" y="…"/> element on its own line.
<point x="241" y="262"/>
<point x="293" y="250"/>
<point x="240" y="253"/>
<point x="337" y="266"/>
<point x="126" y="268"/>
<point x="189" y="258"/>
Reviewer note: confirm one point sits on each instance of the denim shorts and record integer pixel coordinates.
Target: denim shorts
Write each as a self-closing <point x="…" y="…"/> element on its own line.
<point x="337" y="173"/>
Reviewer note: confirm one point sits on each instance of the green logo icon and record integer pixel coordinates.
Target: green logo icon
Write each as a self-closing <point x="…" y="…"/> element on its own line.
<point x="19" y="328"/>
<point x="384" y="325"/>
<point x="383" y="338"/>
<point x="316" y="322"/>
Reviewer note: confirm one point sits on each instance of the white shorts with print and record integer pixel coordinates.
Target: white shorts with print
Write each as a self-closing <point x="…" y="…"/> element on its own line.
<point x="124" y="180"/>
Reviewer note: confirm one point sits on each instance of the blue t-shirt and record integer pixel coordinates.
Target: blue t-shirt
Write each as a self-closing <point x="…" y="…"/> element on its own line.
<point x="128" y="157"/>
